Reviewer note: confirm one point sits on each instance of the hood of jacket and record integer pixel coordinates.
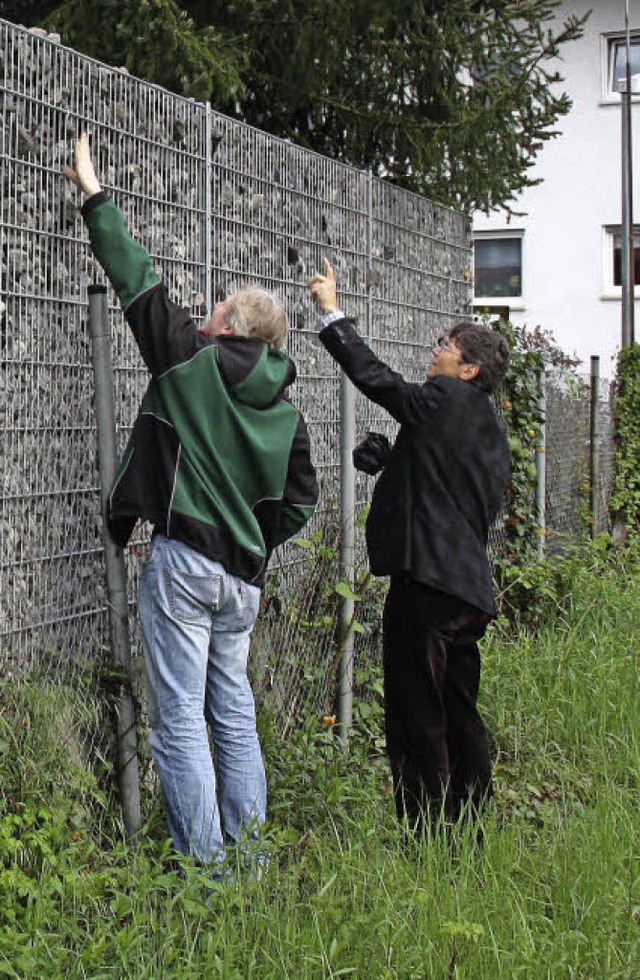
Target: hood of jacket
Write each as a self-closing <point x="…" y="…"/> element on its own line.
<point x="255" y="373"/>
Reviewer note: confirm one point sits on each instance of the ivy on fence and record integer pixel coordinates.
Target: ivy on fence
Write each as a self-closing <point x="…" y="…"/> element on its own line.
<point x="526" y="585"/>
<point x="625" y="498"/>
<point x="521" y="407"/>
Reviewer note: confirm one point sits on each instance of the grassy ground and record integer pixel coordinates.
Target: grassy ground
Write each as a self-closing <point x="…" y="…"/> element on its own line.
<point x="555" y="892"/>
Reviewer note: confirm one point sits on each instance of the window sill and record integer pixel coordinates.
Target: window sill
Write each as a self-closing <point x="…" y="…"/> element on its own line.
<point x="616" y="295"/>
<point x="635" y="99"/>
<point x="513" y="302"/>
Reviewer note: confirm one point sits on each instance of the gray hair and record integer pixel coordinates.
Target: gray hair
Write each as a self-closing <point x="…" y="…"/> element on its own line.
<point x="258" y="313"/>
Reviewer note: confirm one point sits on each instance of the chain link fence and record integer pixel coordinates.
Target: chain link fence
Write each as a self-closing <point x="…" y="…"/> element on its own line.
<point x="602" y="445"/>
<point x="218" y="204"/>
<point x="579" y="446"/>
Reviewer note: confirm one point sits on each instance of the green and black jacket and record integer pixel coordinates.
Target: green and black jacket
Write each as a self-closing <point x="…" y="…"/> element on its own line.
<point x="218" y="457"/>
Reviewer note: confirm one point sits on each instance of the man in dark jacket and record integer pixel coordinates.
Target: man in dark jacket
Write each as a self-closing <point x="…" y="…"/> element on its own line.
<point x="219" y="462"/>
<point x="440" y="490"/>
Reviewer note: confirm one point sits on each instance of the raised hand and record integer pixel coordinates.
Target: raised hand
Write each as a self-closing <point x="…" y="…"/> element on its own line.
<point x="83" y="173"/>
<point x="323" y="288"/>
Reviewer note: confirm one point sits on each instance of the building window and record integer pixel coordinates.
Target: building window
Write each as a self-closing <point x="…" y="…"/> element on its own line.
<point x="498" y="267"/>
<point x="613" y="260"/>
<point x="616" y="63"/>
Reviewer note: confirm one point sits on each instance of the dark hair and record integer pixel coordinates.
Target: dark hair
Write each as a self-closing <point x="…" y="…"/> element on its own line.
<point x="485" y="347"/>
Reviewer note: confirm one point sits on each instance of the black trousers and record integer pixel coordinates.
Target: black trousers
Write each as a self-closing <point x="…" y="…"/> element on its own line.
<point x="436" y="740"/>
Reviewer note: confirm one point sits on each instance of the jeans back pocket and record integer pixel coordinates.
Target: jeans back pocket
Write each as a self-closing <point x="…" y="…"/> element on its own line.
<point x="192" y="598"/>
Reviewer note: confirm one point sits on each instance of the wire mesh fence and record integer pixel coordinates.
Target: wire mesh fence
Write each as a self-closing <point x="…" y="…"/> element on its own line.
<point x="603" y="445"/>
<point x="217" y="204"/>
<point x="571" y="444"/>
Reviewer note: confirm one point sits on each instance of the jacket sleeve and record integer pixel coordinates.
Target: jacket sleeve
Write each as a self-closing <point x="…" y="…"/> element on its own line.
<point x="408" y="402"/>
<point x="301" y="488"/>
<point x="164" y="331"/>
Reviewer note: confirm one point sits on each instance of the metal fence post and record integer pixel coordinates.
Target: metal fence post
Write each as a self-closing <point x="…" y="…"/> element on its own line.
<point x="348" y="504"/>
<point x="370" y="277"/>
<point x="628" y="87"/>
<point x="541" y="468"/>
<point x="594" y="445"/>
<point x="116" y="578"/>
<point x="207" y="204"/>
<point x="347" y="553"/>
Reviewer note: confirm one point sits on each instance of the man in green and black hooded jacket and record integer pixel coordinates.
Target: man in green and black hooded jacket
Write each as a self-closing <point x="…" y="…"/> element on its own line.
<point x="219" y="463"/>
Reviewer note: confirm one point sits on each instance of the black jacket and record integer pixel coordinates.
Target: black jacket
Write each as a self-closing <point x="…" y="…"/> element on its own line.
<point x="443" y="485"/>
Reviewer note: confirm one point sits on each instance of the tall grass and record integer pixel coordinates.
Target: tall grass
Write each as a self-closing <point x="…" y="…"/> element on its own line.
<point x="554" y="893"/>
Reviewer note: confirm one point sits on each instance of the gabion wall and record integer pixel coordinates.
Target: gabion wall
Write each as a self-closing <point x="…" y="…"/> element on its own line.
<point x="218" y="204"/>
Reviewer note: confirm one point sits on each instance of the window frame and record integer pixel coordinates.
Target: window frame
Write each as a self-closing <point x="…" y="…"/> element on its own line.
<point x="607" y="42"/>
<point x="609" y="289"/>
<point x="513" y="302"/>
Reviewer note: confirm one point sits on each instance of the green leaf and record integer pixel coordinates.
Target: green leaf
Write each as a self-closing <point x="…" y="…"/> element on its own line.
<point x="305" y="543"/>
<point x="344" y="589"/>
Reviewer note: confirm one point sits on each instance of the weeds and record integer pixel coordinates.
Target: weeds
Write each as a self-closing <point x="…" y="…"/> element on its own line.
<point x="555" y="892"/>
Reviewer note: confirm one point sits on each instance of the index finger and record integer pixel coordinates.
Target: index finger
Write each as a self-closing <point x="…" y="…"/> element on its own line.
<point x="82" y="144"/>
<point x="328" y="269"/>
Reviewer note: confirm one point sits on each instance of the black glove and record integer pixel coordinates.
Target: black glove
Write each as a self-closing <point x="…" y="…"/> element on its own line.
<point x="372" y="454"/>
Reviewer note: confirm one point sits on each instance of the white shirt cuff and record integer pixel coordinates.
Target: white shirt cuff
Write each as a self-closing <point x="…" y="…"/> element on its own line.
<point x="331" y="317"/>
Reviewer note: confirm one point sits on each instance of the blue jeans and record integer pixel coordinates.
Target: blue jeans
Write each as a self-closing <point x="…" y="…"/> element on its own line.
<point x="196" y="624"/>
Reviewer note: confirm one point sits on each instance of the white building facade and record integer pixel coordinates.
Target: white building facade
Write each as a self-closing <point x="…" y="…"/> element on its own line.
<point x="558" y="266"/>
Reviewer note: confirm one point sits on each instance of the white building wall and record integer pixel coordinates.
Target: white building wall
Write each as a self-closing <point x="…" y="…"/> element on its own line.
<point x="564" y="261"/>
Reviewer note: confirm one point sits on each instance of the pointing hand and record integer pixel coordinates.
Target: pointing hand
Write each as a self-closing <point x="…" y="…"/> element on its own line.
<point x="323" y="288"/>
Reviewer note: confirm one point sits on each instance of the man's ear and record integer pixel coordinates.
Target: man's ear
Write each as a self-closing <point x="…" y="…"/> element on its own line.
<point x="468" y="372"/>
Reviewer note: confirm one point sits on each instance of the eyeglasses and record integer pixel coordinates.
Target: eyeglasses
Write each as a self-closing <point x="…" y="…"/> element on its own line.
<point x="444" y="344"/>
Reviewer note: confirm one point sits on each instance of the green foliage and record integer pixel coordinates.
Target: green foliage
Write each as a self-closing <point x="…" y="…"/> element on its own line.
<point x="522" y="409"/>
<point x="325" y="610"/>
<point x="554" y="892"/>
<point x="549" y="689"/>
<point x="528" y="589"/>
<point x="50" y="735"/>
<point x="311" y="616"/>
<point x="368" y="705"/>
<point x="29" y="12"/>
<point x="155" y="40"/>
<point x="450" y="99"/>
<point x="323" y="790"/>
<point x="519" y="402"/>
<point x="625" y="498"/>
<point x="539" y="591"/>
<point x="453" y="100"/>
